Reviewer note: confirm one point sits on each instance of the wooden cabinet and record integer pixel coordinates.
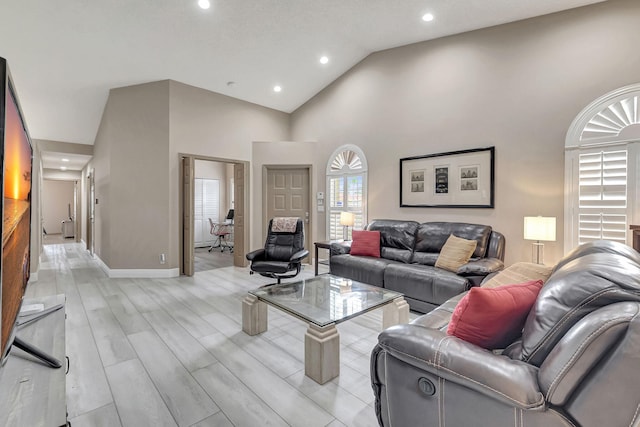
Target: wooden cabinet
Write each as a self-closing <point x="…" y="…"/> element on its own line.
<point x="635" y="229"/>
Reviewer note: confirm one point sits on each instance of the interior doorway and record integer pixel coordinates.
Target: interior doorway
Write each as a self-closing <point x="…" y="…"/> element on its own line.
<point x="287" y="193"/>
<point x="59" y="206"/>
<point x="213" y="230"/>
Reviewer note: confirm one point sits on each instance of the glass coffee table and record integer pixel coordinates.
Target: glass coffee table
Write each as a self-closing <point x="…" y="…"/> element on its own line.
<point x="323" y="302"/>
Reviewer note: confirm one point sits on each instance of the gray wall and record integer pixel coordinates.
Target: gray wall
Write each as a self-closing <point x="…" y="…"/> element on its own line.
<point x="516" y="87"/>
<point x="56" y="198"/>
<point x="143" y="131"/>
<point x="208" y="124"/>
<point x="131" y="161"/>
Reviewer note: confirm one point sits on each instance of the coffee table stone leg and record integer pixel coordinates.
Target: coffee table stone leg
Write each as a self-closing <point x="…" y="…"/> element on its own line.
<point x="322" y="353"/>
<point x="254" y="315"/>
<point x="395" y="313"/>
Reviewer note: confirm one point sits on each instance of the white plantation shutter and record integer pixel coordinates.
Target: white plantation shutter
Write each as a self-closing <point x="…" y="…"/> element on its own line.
<point x="346" y="190"/>
<point x="602" y="195"/>
<point x="206" y="205"/>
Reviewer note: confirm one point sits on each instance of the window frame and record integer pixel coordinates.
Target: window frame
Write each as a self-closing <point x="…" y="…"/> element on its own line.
<point x="609" y="123"/>
<point x="345" y="173"/>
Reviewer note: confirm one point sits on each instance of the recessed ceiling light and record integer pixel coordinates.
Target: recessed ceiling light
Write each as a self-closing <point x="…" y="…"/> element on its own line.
<point x="204" y="4"/>
<point x="427" y="17"/>
<point x="65" y="160"/>
<point x="324" y="60"/>
<point x="63" y="168"/>
<point x="277" y="89"/>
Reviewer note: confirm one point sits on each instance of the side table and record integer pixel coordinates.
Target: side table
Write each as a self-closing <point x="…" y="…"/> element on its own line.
<point x="635" y="229"/>
<point x="324" y="244"/>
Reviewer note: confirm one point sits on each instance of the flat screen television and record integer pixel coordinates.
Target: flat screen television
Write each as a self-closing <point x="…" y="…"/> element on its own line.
<point x="16" y="155"/>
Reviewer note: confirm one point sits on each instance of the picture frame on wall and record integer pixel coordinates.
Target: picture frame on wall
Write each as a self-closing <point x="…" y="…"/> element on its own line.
<point x="456" y="179"/>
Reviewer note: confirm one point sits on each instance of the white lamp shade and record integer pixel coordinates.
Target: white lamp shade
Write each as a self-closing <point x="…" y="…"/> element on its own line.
<point x="347" y="219"/>
<point x="540" y="228"/>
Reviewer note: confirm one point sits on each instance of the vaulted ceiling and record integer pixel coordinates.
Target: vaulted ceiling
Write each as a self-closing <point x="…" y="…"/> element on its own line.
<point x="65" y="55"/>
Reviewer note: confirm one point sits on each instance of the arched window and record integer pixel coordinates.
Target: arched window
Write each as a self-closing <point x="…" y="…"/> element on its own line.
<point x="602" y="151"/>
<point x="346" y="190"/>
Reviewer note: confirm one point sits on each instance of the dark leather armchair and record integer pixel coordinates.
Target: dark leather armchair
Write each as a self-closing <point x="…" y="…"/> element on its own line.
<point x="576" y="364"/>
<point x="282" y="254"/>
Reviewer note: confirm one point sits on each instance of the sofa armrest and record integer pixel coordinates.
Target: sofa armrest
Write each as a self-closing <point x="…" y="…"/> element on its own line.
<point x="340" y="248"/>
<point x="299" y="256"/>
<point x="481" y="267"/>
<point x="510" y="381"/>
<point x="255" y="255"/>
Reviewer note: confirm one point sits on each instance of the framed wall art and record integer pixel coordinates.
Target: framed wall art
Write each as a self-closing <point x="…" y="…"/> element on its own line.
<point x="458" y="179"/>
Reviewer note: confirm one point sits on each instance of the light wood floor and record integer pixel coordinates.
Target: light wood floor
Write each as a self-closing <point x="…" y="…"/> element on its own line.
<point x="166" y="352"/>
<point x="204" y="260"/>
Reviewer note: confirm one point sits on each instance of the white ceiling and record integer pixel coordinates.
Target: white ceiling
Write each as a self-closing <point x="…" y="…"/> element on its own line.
<point x="57" y="160"/>
<point x="65" y="55"/>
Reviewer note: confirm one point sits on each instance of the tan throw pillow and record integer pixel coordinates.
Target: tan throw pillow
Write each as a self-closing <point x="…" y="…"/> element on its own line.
<point x="518" y="273"/>
<point x="455" y="253"/>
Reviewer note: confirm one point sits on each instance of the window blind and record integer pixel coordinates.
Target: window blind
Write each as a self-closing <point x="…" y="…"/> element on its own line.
<point x="602" y="196"/>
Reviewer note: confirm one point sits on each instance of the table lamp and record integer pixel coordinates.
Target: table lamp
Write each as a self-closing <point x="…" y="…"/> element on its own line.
<point x="346" y="220"/>
<point x="539" y="228"/>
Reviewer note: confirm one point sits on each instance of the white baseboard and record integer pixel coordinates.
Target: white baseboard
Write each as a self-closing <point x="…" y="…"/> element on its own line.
<point x="148" y="273"/>
<point x="33" y="277"/>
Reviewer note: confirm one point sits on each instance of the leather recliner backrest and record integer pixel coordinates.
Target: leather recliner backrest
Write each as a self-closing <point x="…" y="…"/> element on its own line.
<point x="397" y="238"/>
<point x="599" y="246"/>
<point x="432" y="236"/>
<point x="576" y="289"/>
<point x="279" y="246"/>
<point x="496" y="246"/>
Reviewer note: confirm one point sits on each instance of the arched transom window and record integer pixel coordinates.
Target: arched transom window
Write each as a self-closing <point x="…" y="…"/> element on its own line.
<point x="602" y="150"/>
<point x="346" y="190"/>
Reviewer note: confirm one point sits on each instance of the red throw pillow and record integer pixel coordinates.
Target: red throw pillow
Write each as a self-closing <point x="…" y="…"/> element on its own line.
<point x="493" y="317"/>
<point x="365" y="243"/>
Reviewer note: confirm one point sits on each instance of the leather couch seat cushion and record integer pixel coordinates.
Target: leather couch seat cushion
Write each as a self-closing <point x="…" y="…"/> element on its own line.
<point x="417" y="281"/>
<point x="363" y="269"/>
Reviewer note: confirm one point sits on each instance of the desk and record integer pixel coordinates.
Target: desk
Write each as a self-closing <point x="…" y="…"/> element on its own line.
<point x="31" y="393"/>
<point x="636" y="236"/>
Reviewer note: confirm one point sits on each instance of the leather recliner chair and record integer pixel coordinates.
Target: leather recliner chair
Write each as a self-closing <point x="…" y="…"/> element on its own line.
<point x="577" y="362"/>
<point x="282" y="254"/>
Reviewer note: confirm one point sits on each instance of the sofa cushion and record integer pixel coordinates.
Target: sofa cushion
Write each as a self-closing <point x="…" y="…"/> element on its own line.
<point x="397" y="238"/>
<point x="423" y="282"/>
<point x="493" y="317"/>
<point x="366" y="243"/>
<point x="455" y="253"/>
<point x="363" y="269"/>
<point x="431" y="236"/>
<point x="518" y="273"/>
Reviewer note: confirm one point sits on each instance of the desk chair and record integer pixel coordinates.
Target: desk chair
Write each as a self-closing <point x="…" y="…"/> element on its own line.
<point x="222" y="232"/>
